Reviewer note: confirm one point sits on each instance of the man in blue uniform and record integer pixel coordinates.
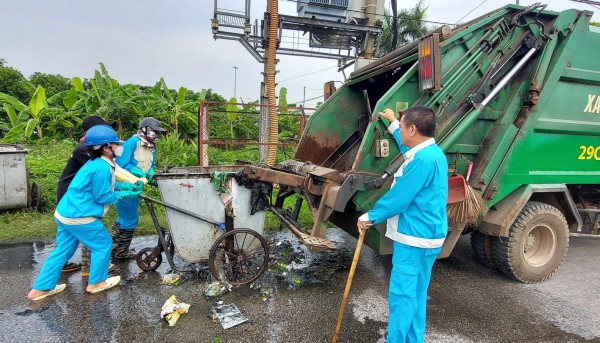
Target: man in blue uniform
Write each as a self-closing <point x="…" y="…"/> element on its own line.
<point x="78" y="216"/>
<point x="415" y="210"/>
<point x="139" y="158"/>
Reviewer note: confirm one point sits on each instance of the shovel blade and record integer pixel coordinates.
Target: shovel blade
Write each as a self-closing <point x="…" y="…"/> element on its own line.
<point x="457" y="189"/>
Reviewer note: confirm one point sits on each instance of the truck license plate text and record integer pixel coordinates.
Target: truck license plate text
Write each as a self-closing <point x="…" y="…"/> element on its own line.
<point x="588" y="152"/>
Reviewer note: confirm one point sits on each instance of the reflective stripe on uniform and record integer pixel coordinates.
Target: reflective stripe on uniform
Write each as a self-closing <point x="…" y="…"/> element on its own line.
<point x="428" y="243"/>
<point x="73" y="221"/>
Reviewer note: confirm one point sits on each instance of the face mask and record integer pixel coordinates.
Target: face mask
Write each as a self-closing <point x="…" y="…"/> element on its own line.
<point x="118" y="151"/>
<point x="151" y="136"/>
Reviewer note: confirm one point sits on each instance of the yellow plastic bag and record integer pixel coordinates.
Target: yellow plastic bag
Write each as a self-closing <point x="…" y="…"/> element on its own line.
<point x="172" y="310"/>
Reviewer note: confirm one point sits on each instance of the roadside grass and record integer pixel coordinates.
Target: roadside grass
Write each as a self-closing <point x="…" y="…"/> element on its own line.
<point x="45" y="163"/>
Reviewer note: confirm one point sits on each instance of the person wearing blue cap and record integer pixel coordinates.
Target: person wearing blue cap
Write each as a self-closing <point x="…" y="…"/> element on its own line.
<point x="79" y="157"/>
<point x="78" y="217"/>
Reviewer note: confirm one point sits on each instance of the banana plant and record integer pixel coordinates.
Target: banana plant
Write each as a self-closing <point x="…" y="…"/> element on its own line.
<point x="232" y="114"/>
<point x="25" y="120"/>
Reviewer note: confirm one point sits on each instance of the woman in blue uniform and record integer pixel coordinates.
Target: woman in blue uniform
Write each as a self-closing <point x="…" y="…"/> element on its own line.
<point x="139" y="158"/>
<point x="79" y="213"/>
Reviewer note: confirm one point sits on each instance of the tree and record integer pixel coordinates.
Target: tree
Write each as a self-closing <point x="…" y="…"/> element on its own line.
<point x="13" y="83"/>
<point x="410" y="27"/>
<point x="52" y="83"/>
<point x="595" y="23"/>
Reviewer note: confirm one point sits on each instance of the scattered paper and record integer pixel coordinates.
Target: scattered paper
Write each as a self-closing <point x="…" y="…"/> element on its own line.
<point x="228" y="315"/>
<point x="171" y="279"/>
<point x="172" y="310"/>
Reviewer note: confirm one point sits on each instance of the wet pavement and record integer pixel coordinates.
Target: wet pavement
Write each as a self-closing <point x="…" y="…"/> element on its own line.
<point x="298" y="300"/>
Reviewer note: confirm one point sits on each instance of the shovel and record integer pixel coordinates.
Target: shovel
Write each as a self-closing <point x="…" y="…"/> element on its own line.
<point x="359" y="244"/>
<point x="457" y="189"/>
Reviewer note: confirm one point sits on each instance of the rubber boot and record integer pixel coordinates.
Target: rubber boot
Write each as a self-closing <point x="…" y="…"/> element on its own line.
<point x="121" y="243"/>
<point x="85" y="261"/>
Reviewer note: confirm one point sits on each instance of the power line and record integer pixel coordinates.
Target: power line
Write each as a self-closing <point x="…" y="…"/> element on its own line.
<point x="299" y="76"/>
<point x="315" y="98"/>
<point x="483" y="2"/>
<point x="589" y="2"/>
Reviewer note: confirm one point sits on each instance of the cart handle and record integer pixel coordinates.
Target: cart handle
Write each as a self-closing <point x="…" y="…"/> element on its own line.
<point x="179" y="209"/>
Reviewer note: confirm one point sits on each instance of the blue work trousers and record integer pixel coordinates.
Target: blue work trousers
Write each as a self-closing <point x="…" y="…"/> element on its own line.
<point x="411" y="273"/>
<point x="94" y="236"/>
<point x="128" y="213"/>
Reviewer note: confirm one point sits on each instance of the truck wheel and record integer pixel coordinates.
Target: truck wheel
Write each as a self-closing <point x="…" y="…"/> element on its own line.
<point x="536" y="244"/>
<point x="482" y="248"/>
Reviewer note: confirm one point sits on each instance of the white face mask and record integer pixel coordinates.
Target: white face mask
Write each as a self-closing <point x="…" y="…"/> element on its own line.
<point x="118" y="151"/>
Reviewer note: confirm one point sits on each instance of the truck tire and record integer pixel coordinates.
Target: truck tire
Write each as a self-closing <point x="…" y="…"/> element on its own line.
<point x="482" y="248"/>
<point x="536" y="245"/>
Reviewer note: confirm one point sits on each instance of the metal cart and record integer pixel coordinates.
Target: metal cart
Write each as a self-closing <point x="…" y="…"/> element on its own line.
<point x="15" y="190"/>
<point x="208" y="227"/>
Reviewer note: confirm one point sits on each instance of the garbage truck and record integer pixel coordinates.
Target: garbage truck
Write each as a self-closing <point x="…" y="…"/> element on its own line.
<point x="516" y="93"/>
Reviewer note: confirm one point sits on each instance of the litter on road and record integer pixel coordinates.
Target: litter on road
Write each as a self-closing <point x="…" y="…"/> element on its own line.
<point x="228" y="315"/>
<point x="173" y="309"/>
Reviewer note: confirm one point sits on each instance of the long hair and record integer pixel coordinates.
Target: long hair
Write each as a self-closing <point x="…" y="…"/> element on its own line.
<point x="95" y="153"/>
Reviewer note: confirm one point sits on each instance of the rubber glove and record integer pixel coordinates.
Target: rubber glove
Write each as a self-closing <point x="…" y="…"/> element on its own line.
<point x="139" y="186"/>
<point x="137" y="172"/>
<point x="150" y="176"/>
<point x="126" y="186"/>
<point x="127" y="194"/>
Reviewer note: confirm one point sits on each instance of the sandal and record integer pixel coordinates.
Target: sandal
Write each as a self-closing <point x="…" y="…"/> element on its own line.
<point x="57" y="289"/>
<point x="110" y="283"/>
<point x="71" y="267"/>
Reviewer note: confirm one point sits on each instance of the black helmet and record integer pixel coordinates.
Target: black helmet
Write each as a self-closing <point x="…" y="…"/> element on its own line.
<point x="151" y="123"/>
<point x="89" y="122"/>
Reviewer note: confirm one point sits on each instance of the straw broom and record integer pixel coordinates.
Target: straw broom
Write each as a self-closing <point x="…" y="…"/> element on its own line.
<point x="469" y="210"/>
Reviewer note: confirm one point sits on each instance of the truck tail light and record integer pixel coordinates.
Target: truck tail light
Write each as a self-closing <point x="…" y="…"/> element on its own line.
<point x="429" y="62"/>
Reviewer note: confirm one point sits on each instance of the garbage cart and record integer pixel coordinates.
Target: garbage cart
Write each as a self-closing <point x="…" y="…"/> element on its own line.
<point x="15" y="190"/>
<point x="209" y="223"/>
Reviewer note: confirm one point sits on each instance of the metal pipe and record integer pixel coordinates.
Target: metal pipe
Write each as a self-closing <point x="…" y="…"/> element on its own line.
<point x="459" y="129"/>
<point x="587" y="235"/>
<point x="508" y="76"/>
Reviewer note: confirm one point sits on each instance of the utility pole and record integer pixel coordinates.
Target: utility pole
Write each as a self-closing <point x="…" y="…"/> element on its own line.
<point x="304" y="98"/>
<point x="235" y="81"/>
<point x="371" y="14"/>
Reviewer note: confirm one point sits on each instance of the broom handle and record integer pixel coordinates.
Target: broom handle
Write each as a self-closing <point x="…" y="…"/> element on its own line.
<point x="338" y="326"/>
<point x="469" y="169"/>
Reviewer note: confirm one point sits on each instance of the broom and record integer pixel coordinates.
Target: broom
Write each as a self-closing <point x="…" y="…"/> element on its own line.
<point x="469" y="210"/>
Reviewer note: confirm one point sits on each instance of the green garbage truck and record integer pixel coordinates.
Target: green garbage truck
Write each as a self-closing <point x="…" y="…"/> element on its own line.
<point x="516" y="94"/>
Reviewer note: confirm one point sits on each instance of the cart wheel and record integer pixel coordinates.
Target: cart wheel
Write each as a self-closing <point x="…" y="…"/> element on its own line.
<point x="146" y="261"/>
<point x="36" y="197"/>
<point x="239" y="257"/>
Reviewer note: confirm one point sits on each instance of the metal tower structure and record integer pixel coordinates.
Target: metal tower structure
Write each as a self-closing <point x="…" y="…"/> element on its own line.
<point x="335" y="29"/>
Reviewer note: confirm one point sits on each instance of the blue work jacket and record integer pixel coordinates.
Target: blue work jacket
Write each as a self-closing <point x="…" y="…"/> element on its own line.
<point x="415" y="205"/>
<point x="91" y="191"/>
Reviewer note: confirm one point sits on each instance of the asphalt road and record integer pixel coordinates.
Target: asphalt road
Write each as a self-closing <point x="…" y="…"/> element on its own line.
<point x="468" y="302"/>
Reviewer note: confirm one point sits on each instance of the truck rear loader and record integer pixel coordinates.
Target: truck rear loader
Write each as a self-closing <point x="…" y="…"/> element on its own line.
<point x="516" y="94"/>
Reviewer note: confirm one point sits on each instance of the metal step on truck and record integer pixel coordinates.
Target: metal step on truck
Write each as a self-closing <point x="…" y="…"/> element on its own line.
<point x="516" y="93"/>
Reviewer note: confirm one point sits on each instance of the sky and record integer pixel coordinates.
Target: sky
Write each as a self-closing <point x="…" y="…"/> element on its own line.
<point x="141" y="41"/>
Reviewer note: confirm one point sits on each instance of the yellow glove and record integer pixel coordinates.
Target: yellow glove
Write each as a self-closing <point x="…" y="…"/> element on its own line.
<point x="123" y="175"/>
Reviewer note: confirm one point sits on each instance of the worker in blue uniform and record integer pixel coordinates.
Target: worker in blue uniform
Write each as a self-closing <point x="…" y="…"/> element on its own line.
<point x="415" y="210"/>
<point x="78" y="158"/>
<point x="78" y="216"/>
<point x="139" y="158"/>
